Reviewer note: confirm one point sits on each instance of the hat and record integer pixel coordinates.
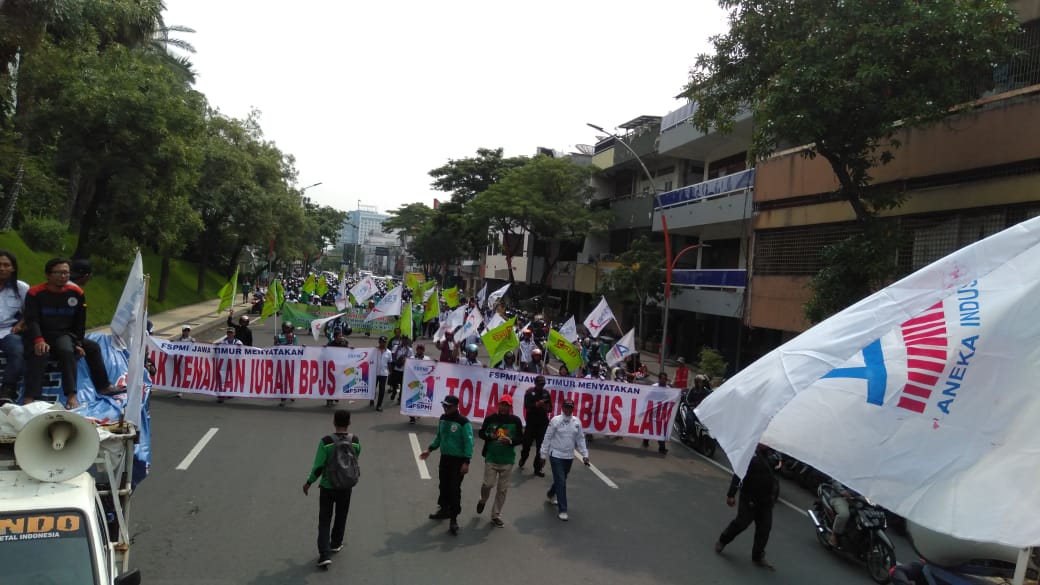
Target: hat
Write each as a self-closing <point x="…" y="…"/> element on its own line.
<point x="568" y="402"/>
<point x="230" y="330"/>
<point x="382" y="339"/>
<point x="506" y="398"/>
<point x="185" y="327"/>
<point x="450" y="401"/>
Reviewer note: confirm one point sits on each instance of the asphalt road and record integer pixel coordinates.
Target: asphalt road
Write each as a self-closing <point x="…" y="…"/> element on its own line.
<point x="236" y="513"/>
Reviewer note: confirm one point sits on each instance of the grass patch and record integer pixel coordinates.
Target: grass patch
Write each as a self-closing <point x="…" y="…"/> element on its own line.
<point x="103" y="291"/>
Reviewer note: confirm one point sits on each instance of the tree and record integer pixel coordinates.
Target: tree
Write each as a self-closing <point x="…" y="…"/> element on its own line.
<point x="548" y="198"/>
<point x="408" y="218"/>
<point x="842" y="78"/>
<point x="639" y="277"/>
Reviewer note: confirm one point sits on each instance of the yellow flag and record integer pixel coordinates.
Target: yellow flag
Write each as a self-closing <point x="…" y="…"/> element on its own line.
<point x="433" y="308"/>
<point x="451" y="296"/>
<point x="500" y="340"/>
<point x="228" y="292"/>
<point x="563" y="349"/>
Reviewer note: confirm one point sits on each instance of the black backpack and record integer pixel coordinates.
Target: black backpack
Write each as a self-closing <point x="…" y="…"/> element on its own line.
<point x="341" y="466"/>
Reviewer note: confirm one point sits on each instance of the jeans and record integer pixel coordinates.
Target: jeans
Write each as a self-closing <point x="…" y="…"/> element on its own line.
<point x="560" y="469"/>
<point x="748" y="511"/>
<point x="333" y="506"/>
<point x="63" y="350"/>
<point x="496" y="475"/>
<point x="14" y="349"/>
<point x="450" y="476"/>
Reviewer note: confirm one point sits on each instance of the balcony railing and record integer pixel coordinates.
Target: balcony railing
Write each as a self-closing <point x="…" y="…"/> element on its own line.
<point x="710" y="278"/>
<point x="707" y="190"/>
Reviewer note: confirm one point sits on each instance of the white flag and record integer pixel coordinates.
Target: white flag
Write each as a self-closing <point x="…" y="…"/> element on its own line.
<point x="495" y="296"/>
<point x="318" y="324"/>
<point x="454" y="319"/>
<point x="922" y="396"/>
<point x="135" y="367"/>
<point x="130" y="303"/>
<point x="389" y="306"/>
<point x="494" y="321"/>
<point x="364" y="290"/>
<point x="569" y="331"/>
<point x="481" y="295"/>
<point x="599" y="318"/>
<point x="342" y="299"/>
<point x="469" y="326"/>
<point x="429" y="292"/>
<point x="622" y="349"/>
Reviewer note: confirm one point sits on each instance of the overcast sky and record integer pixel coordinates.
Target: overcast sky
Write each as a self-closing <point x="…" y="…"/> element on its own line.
<point x="370" y="96"/>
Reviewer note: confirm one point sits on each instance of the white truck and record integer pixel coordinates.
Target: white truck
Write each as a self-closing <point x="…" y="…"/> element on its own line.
<point x="64" y="502"/>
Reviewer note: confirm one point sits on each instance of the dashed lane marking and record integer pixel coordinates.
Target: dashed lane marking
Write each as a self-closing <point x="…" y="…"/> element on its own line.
<point x="424" y="473"/>
<point x="190" y="457"/>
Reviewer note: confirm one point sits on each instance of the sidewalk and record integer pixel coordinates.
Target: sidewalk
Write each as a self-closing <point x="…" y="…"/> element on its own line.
<point x="201" y="317"/>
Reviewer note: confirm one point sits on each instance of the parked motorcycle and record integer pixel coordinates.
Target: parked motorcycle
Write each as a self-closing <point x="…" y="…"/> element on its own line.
<point x="864" y="540"/>
<point x="258" y="304"/>
<point x="691" y="430"/>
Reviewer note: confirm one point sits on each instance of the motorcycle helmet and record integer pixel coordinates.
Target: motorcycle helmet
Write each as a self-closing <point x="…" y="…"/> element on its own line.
<point x="509" y="358"/>
<point x="471" y="350"/>
<point x="287" y="326"/>
<point x="536" y="352"/>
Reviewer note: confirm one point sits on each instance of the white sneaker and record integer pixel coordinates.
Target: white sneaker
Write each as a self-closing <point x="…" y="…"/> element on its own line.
<point x="338" y="548"/>
<point x="563" y="516"/>
<point x="324" y="562"/>
<point x="552" y="500"/>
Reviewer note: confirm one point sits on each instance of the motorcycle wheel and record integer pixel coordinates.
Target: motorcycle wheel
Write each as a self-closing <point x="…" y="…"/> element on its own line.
<point x="880" y="560"/>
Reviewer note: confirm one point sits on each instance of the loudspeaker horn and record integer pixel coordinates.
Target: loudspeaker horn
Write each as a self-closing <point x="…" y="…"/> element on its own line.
<point x="56" y="446"/>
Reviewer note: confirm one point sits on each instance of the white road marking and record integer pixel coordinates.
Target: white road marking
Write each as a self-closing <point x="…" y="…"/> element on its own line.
<point x="197" y="449"/>
<point x="598" y="473"/>
<point x="424" y="473"/>
<point x="730" y="471"/>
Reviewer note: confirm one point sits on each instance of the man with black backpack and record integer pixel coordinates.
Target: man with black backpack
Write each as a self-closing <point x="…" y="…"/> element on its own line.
<point x="337" y="463"/>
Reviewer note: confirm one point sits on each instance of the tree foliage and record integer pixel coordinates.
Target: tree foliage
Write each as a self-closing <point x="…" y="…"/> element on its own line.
<point x="639" y="277"/>
<point x="842" y="78"/>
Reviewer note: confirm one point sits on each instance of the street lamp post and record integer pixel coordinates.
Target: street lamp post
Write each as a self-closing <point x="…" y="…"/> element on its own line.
<point x="357" y="236"/>
<point x="667" y="241"/>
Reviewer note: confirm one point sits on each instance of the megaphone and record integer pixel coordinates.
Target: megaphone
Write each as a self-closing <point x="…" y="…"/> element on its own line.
<point x="56" y="446"/>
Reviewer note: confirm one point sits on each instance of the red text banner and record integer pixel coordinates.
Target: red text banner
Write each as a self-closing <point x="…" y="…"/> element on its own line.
<point x="287" y="371"/>
<point x="603" y="407"/>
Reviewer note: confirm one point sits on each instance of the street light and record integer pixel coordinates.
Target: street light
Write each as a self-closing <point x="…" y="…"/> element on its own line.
<point x="667" y="241"/>
<point x="357" y="237"/>
<point x="309" y="186"/>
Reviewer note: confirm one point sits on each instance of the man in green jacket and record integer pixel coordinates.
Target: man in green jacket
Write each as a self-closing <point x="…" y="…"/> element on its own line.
<point x="502" y="432"/>
<point x="332" y="502"/>
<point x="455" y="438"/>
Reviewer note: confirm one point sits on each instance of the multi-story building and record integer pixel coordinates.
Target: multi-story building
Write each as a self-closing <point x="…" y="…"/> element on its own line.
<point x="966" y="178"/>
<point x="360" y="223"/>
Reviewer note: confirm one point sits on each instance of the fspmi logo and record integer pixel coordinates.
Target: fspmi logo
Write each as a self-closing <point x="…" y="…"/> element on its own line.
<point x="938" y="345"/>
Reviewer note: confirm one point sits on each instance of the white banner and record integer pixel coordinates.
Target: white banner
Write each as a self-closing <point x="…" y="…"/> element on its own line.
<point x="284" y="371"/>
<point x="129" y="307"/>
<point x="922" y="396"/>
<point x="318" y="324"/>
<point x="498" y="294"/>
<point x="389" y="306"/>
<point x="469" y="326"/>
<point x="622" y="349"/>
<point x="599" y="318"/>
<point x="481" y="295"/>
<point x="569" y="331"/>
<point x="604" y="407"/>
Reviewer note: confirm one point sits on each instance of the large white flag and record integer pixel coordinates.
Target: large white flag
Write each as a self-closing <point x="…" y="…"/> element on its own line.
<point x="569" y="330"/>
<point x="481" y="295"/>
<point x="342" y="299"/>
<point x="469" y="326"/>
<point x="922" y="396"/>
<point x="364" y="290"/>
<point x="494" y="321"/>
<point x="129" y="307"/>
<point x="492" y="299"/>
<point x="622" y="349"/>
<point x="599" y="318"/>
<point x="389" y="306"/>
<point x="455" y="319"/>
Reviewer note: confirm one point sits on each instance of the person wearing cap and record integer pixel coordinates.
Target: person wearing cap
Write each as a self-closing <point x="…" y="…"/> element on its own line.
<point x="501" y="432"/>
<point x="230" y="338"/>
<point x="242" y="331"/>
<point x="383" y="360"/>
<point x="682" y="375"/>
<point x="562" y="438"/>
<point x="537" y="406"/>
<point x="455" y="439"/>
<point x="185" y="336"/>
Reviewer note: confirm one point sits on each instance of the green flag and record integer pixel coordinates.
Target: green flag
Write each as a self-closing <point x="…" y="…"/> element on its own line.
<point x="451" y="296"/>
<point x="228" y="292"/>
<point x="433" y="308"/>
<point x="500" y="340"/>
<point x="309" y="285"/>
<point x="564" y="350"/>
<point x="274" y="300"/>
<point x="411" y="281"/>
<point x="322" y="286"/>
<point x="406" y="319"/>
<point x="297" y="314"/>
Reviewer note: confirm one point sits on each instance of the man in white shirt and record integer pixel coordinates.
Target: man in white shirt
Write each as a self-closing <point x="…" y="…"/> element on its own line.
<point x="662" y="382"/>
<point x="563" y="436"/>
<point x="527" y="345"/>
<point x="383" y="360"/>
<point x="230" y="338"/>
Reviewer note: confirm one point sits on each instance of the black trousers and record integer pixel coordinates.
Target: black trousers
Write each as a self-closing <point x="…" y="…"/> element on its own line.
<point x="534" y="433"/>
<point x="333" y="506"/>
<point x="381" y="388"/>
<point x="64" y="351"/>
<point x="96" y="364"/>
<point x="758" y="511"/>
<point x="450" y="484"/>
